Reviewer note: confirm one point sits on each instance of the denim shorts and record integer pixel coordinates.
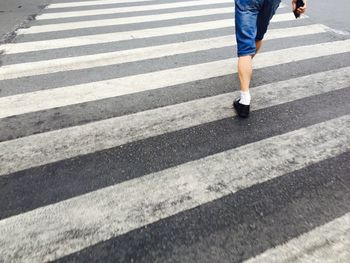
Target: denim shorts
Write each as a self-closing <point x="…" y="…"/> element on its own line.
<point x="252" y="17"/>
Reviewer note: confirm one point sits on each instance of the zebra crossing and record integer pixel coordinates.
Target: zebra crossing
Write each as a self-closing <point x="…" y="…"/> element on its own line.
<point x="334" y="236"/>
<point x="118" y="141"/>
<point x="112" y="58"/>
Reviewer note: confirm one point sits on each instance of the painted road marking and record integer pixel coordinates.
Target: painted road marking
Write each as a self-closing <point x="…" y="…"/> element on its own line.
<point x="69" y="95"/>
<point x="138" y="54"/>
<point x="128" y="9"/>
<point x="44" y="148"/>
<point x="122" y="21"/>
<point x="327" y="243"/>
<point x="15" y="48"/>
<point x="43" y="234"/>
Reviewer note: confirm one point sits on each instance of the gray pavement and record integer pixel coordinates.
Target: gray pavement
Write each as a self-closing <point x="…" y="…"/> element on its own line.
<point x="118" y="142"/>
<point x="17" y="13"/>
<point x="331" y="13"/>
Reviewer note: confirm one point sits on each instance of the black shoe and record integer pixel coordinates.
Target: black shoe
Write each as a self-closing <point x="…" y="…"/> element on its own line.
<point x="241" y="109"/>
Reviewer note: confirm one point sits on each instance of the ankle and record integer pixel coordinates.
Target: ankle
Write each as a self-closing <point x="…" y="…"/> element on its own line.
<point x="245" y="97"/>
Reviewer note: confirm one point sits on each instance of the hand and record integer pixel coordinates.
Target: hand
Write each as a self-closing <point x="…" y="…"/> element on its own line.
<point x="300" y="10"/>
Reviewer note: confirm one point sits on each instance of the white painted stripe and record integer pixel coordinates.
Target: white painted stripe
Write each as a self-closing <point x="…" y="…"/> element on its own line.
<point x="40" y="149"/>
<point x="122" y="21"/>
<point x="59" y="97"/>
<point x="13" y="48"/>
<point x="128" y="9"/>
<point x="93" y="3"/>
<point x="66" y="227"/>
<point x="104" y="2"/>
<point x="114" y="37"/>
<point x="113" y="58"/>
<point x="328" y="243"/>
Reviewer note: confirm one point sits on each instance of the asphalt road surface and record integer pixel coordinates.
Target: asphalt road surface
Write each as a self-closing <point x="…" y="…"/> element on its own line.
<point x="17" y="13"/>
<point x="118" y="142"/>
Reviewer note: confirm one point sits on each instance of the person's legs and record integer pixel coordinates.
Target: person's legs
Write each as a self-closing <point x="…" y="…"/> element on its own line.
<point x="258" y="44"/>
<point x="266" y="13"/>
<point x="252" y="20"/>
<point x="246" y="15"/>
<point x="245" y="71"/>
<point x="245" y="68"/>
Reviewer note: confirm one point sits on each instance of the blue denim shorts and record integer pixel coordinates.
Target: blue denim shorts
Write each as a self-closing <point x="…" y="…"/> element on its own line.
<point x="252" y="17"/>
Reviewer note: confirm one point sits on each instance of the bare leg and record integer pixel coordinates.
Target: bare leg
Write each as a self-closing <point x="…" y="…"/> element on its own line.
<point x="245" y="68"/>
<point x="245" y="71"/>
<point x="258" y="44"/>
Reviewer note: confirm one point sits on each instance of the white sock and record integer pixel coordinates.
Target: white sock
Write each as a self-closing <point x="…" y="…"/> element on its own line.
<point x="245" y="98"/>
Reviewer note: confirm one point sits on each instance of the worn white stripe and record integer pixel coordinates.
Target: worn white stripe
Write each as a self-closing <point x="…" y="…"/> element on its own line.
<point x="59" y="97"/>
<point x="128" y="9"/>
<point x="66" y="227"/>
<point x="40" y="149"/>
<point x="113" y="58"/>
<point x="329" y="243"/>
<point x="114" y="37"/>
<point x="93" y="3"/>
<point x="122" y="21"/>
<point x="125" y="35"/>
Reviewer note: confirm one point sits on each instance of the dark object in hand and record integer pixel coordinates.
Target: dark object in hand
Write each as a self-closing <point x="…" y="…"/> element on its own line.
<point x="300" y="3"/>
